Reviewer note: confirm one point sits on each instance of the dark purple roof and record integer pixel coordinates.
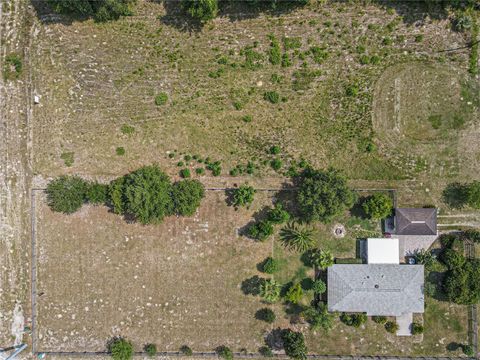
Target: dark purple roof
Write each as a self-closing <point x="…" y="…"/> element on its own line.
<point x="416" y="221"/>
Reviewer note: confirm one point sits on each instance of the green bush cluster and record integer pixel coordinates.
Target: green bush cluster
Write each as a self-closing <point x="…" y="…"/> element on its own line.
<point x="266" y="314"/>
<point x="150" y="349"/>
<point x="417" y="328"/>
<point x="319" y="317"/>
<point x="120" y="349"/>
<point x="319" y="287"/>
<point x="260" y="230"/>
<point x="355" y="320"/>
<point x="391" y="327"/>
<point x="224" y="352"/>
<point x="270" y="290"/>
<point x="378" y="206"/>
<point x="243" y="195"/>
<point x="294" y="344"/>
<point x="294" y="294"/>
<point x="272" y="97"/>
<point x="278" y="215"/>
<point x="147" y="194"/>
<point x="270" y="265"/>
<point x="161" y="99"/>
<point x="100" y="10"/>
<point x="379" y="319"/>
<point x="201" y="10"/>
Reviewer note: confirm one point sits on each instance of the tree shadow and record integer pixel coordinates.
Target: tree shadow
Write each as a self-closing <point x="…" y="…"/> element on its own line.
<point x="257" y="216"/>
<point x="252" y="285"/>
<point x="46" y="15"/>
<point x="274" y="339"/>
<point x="455" y="195"/>
<point x="357" y="209"/>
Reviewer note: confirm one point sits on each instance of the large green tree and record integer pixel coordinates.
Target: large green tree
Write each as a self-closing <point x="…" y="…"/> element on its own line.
<point x="186" y="196"/>
<point x="322" y="195"/>
<point x="378" y="206"/>
<point x="147" y="195"/>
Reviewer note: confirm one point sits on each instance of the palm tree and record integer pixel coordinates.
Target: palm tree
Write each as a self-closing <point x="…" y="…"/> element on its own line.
<point x="297" y="238"/>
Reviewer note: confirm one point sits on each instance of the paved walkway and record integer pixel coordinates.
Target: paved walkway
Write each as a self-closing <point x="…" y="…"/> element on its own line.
<point x="405" y="324"/>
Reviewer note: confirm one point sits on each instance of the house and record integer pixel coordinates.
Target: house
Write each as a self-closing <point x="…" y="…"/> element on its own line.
<point x="382" y="287"/>
<point x="415" y="228"/>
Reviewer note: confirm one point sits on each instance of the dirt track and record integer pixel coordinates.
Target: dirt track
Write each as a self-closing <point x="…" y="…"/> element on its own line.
<point x="15" y="175"/>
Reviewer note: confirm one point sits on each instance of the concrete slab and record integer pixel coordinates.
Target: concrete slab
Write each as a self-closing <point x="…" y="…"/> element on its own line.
<point x="405" y="324"/>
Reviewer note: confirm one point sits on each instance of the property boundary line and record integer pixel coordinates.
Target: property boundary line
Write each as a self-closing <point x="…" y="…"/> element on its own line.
<point x="207" y="354"/>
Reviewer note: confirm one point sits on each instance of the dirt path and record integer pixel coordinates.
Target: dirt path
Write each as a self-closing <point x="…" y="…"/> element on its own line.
<point x="15" y="175"/>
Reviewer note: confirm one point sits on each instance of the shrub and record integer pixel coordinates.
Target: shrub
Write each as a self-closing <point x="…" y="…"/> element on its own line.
<point x="320" y="258"/>
<point x="378" y="206"/>
<point x="276" y="164"/>
<point x="322" y="195"/>
<point x="261" y="230"/>
<point x="319" y="287"/>
<point x="270" y="265"/>
<point x="294" y="344"/>
<point x="147" y="195"/>
<point x="452" y="259"/>
<point x="379" y="319"/>
<point x="468" y="350"/>
<point x="462" y="23"/>
<point x="201" y="10"/>
<point x="387" y="41"/>
<point x="186" y="350"/>
<point x="265" y="351"/>
<point x="247" y="118"/>
<point x="100" y="10"/>
<point x="68" y="158"/>
<point x="417" y="329"/>
<point x="424" y="257"/>
<point x="391" y="327"/>
<point x="214" y="167"/>
<point x="318" y="317"/>
<point x="199" y="171"/>
<point x="224" y="352"/>
<point x="297" y="238"/>
<point x="150" y="349"/>
<point x="266" y="315"/>
<point x="96" y="193"/>
<point x="185" y="173"/>
<point x="275" y="150"/>
<point x="462" y="284"/>
<point x="186" y="196"/>
<point x="272" y="96"/>
<point x="294" y="294"/>
<point x="355" y="320"/>
<point x="161" y="99"/>
<point x="120" y="151"/>
<point x="278" y="215"/>
<point x="352" y="90"/>
<point x="120" y="349"/>
<point x="127" y="129"/>
<point x="66" y="194"/>
<point x="473" y="197"/>
<point x="243" y="196"/>
<point x="270" y="291"/>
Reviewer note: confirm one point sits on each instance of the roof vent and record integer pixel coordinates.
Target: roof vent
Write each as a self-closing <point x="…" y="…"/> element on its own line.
<point x="376" y="286"/>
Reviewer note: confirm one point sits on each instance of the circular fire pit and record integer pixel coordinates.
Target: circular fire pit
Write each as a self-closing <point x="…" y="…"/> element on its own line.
<point x="339" y="231"/>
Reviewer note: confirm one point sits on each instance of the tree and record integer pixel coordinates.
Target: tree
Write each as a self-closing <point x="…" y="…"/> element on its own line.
<point x="186" y="196"/>
<point x="319" y="287"/>
<point x="378" y="206"/>
<point x="297" y="238"/>
<point x="270" y="265"/>
<point x="261" y="230"/>
<point x="270" y="291"/>
<point x="278" y="215"/>
<point x="224" y="352"/>
<point x="462" y="284"/>
<point x="100" y="10"/>
<point x="266" y="315"/>
<point x="294" y="344"/>
<point x="66" y="194"/>
<point x="322" y="195"/>
<point x="147" y="195"/>
<point x="96" y="193"/>
<point x="202" y="10"/>
<point x="294" y="294"/>
<point x="320" y="258"/>
<point x="473" y="197"/>
<point x="453" y="259"/>
<point x="243" y="196"/>
<point x="150" y="349"/>
<point x="319" y="317"/>
<point x="120" y="349"/>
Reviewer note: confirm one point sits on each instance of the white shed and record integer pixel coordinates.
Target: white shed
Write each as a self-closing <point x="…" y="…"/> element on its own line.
<point x="383" y="251"/>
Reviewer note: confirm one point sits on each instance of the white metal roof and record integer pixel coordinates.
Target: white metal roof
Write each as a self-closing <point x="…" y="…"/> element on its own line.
<point x="383" y="251"/>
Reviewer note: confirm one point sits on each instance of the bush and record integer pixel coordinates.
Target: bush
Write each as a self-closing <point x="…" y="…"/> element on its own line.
<point x="294" y="344"/>
<point x="276" y="164"/>
<point x="265" y="351"/>
<point x="320" y="258"/>
<point x="391" y="327"/>
<point x="96" y="193"/>
<point x="468" y="350"/>
<point x="319" y="287"/>
<point x="185" y="173"/>
<point x="266" y="315"/>
<point x="275" y="150"/>
<point x="243" y="196"/>
<point x="294" y="294"/>
<point x="378" y="206"/>
<point x="322" y="195"/>
<point x="355" y="320"/>
<point x="201" y="10"/>
<point x="379" y="319"/>
<point x="224" y="352"/>
<point x="12" y="67"/>
<point x="186" y="196"/>
<point x="270" y="291"/>
<point x="270" y="265"/>
<point x="462" y="284"/>
<point x="278" y="215"/>
<point x="417" y="329"/>
<point x="161" y="99"/>
<point x="272" y="96"/>
<point x="185" y="350"/>
<point x="150" y="349"/>
<point x="462" y="23"/>
<point x="473" y="197"/>
<point x="120" y="151"/>
<point x="424" y="257"/>
<point x="127" y="129"/>
<point x="147" y="195"/>
<point x="247" y="118"/>
<point x="297" y="238"/>
<point x="120" y="349"/>
<point x="261" y="230"/>
<point x="214" y="167"/>
<point x="66" y="194"/>
<point x="318" y="317"/>
<point x="352" y="90"/>
<point x="453" y="259"/>
<point x="100" y="10"/>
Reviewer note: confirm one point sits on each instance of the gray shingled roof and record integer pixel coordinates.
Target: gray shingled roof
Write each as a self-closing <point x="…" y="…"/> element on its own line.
<point x="416" y="221"/>
<point x="377" y="289"/>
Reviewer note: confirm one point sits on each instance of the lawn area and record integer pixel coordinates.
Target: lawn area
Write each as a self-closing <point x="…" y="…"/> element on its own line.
<point x="172" y="284"/>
